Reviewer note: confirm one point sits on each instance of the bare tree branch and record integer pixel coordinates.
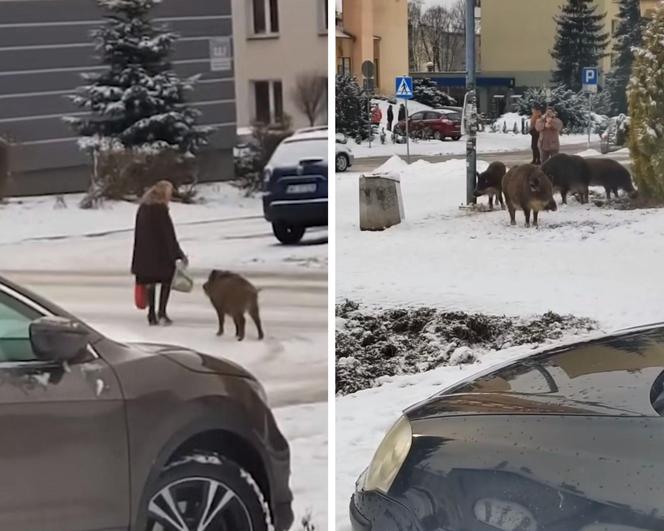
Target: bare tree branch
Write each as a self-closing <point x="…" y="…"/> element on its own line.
<point x="310" y="95"/>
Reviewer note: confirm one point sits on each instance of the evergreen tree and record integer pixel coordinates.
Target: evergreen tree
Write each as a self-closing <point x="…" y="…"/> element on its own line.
<point x="351" y="108"/>
<point x="580" y="41"/>
<point x="646" y="109"/>
<point x="137" y="101"/>
<point x="627" y="37"/>
<point x="427" y="92"/>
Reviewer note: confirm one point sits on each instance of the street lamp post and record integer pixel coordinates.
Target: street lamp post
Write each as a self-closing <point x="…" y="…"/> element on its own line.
<point x="471" y="104"/>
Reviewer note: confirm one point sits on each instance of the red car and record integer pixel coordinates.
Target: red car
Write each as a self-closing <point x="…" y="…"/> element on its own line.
<point x="436" y="124"/>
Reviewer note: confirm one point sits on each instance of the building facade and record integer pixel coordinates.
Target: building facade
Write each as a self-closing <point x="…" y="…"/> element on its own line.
<point x="517" y="36"/>
<point x="278" y="44"/>
<point x="45" y="46"/>
<point x="377" y="31"/>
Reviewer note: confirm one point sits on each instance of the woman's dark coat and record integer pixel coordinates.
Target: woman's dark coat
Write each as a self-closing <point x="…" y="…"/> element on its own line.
<point x="156" y="247"/>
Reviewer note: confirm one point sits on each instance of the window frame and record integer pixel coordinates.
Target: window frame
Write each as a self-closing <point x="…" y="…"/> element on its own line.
<point x="275" y="91"/>
<point x="271" y="18"/>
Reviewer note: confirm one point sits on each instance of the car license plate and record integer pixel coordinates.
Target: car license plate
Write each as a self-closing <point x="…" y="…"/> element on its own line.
<point x="301" y="188"/>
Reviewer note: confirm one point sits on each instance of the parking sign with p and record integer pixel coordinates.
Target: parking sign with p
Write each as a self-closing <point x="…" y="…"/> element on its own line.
<point x="589" y="79"/>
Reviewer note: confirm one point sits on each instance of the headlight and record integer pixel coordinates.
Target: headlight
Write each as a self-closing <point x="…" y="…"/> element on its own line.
<point x="389" y="457"/>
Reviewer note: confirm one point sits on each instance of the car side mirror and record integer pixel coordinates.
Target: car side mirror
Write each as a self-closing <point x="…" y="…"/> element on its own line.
<point x="58" y="339"/>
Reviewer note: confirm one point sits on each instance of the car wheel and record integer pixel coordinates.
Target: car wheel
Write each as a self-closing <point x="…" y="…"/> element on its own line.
<point x="341" y="162"/>
<point x="288" y="234"/>
<point x="438" y="136"/>
<point x="209" y="492"/>
<point x="455" y="138"/>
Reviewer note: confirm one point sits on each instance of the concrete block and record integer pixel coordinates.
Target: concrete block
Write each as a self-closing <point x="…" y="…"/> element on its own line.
<point x="381" y="203"/>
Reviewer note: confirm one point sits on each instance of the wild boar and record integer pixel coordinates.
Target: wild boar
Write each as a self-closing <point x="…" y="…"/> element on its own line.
<point x="568" y="173"/>
<point x="611" y="175"/>
<point x="526" y="187"/>
<point x="231" y="294"/>
<point x="490" y="182"/>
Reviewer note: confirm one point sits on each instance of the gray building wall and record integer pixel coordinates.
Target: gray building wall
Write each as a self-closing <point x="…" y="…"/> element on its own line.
<point x="45" y="46"/>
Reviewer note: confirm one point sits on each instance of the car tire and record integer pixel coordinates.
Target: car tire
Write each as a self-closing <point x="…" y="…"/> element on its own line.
<point x="286" y="233"/>
<point x="341" y="163"/>
<point x="455" y="138"/>
<point x="438" y="136"/>
<point x="201" y="479"/>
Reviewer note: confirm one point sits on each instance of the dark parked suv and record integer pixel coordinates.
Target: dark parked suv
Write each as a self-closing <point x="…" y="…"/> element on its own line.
<point x="98" y="435"/>
<point x="435" y="124"/>
<point x="295" y="183"/>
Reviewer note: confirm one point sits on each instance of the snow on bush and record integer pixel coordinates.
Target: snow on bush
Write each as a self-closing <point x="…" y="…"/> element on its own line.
<point x="371" y="346"/>
<point x="646" y="108"/>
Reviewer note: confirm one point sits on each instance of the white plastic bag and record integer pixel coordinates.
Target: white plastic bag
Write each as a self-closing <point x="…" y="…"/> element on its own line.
<point x="182" y="280"/>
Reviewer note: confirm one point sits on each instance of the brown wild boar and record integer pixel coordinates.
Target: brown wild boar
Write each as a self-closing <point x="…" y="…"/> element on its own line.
<point x="612" y="175"/>
<point x="526" y="187"/>
<point x="490" y="182"/>
<point x="231" y="294"/>
<point x="568" y="173"/>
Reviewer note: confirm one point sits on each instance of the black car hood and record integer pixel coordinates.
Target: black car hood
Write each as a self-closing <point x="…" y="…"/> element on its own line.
<point x="615" y="376"/>
<point x="194" y="361"/>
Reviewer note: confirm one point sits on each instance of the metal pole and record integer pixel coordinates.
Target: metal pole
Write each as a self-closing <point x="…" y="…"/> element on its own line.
<point x="471" y="140"/>
<point x="590" y="111"/>
<point x="369" y="115"/>
<point x="407" y="135"/>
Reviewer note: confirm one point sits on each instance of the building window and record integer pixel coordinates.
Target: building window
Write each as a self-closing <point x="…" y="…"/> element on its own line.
<point x="265" y="17"/>
<point x="377" y="74"/>
<point x="269" y="102"/>
<point x="322" y="15"/>
<point x="343" y="66"/>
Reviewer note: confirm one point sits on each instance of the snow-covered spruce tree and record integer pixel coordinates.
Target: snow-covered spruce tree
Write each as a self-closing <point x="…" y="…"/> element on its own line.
<point x="627" y="37"/>
<point x="427" y="92"/>
<point x="572" y="107"/>
<point x="580" y="41"/>
<point x="646" y="109"/>
<point x="136" y="107"/>
<point x="351" y="108"/>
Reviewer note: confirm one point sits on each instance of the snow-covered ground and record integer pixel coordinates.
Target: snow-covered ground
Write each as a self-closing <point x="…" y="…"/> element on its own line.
<point x="80" y="259"/>
<point x="486" y="142"/>
<point x="586" y="260"/>
<point x="226" y="231"/>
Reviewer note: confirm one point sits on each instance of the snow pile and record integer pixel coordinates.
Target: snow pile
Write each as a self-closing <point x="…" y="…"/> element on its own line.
<point x="371" y="347"/>
<point x="508" y="121"/>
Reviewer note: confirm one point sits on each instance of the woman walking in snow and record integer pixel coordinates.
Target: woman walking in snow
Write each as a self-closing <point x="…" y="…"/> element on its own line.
<point x="402" y="112"/>
<point x="549" y="127"/>
<point x="390" y="117"/>
<point x="156" y="249"/>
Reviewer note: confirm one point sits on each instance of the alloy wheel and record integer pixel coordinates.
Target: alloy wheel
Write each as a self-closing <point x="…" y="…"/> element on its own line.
<point x="198" y="504"/>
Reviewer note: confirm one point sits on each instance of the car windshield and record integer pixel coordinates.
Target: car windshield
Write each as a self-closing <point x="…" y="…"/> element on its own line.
<point x="293" y="151"/>
<point x="451" y="115"/>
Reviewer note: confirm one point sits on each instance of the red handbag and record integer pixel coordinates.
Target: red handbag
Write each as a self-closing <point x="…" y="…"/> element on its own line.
<point x="140" y="296"/>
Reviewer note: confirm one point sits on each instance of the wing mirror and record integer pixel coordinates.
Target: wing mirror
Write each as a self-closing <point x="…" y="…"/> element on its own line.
<point x="58" y="339"/>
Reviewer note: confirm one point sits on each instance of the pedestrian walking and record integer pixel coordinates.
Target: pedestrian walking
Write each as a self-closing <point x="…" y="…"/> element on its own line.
<point x="376" y="115"/>
<point x="402" y="113"/>
<point x="549" y="127"/>
<point x="156" y="249"/>
<point x="534" y="135"/>
<point x="390" y="117"/>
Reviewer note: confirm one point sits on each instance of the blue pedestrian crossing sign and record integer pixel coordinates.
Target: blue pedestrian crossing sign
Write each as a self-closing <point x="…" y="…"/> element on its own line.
<point x="404" y="87"/>
<point x="589" y="79"/>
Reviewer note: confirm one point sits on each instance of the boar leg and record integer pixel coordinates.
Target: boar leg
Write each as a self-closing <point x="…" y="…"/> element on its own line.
<point x="490" y="201"/>
<point x="239" y="326"/>
<point x="500" y="198"/>
<point x="512" y="214"/>
<point x="220" y="315"/>
<point x="563" y="194"/>
<point x="615" y="192"/>
<point x="526" y="212"/>
<point x="535" y="214"/>
<point x="608" y="193"/>
<point x="255" y="315"/>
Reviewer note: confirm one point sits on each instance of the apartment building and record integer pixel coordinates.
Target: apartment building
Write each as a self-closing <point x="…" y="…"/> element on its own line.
<point x="45" y="46"/>
<point x="278" y="44"/>
<point x="374" y="30"/>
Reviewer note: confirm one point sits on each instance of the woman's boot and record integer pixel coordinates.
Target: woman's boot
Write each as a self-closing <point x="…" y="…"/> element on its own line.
<point x="163" y="303"/>
<point x="152" y="315"/>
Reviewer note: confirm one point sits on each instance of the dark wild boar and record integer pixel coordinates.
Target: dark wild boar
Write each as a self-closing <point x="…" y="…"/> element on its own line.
<point x="526" y="187"/>
<point x="490" y="182"/>
<point x="568" y="173"/>
<point x="611" y="175"/>
<point x="231" y="294"/>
